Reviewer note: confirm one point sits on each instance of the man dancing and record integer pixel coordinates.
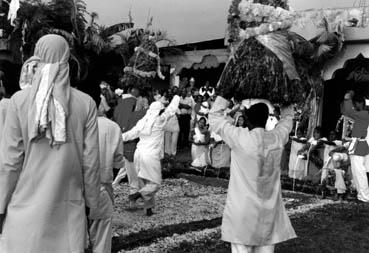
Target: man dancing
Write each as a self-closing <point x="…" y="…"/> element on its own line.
<point x="254" y="218"/>
<point x="150" y="130"/>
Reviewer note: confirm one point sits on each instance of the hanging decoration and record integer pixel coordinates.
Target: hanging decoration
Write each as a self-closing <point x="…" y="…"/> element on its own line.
<point x="272" y="19"/>
<point x="349" y="17"/>
<point x="144" y="65"/>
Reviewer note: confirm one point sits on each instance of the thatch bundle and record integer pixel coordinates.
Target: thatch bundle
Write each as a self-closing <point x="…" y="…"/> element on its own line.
<point x="267" y="61"/>
<point x="256" y="72"/>
<point x="143" y="66"/>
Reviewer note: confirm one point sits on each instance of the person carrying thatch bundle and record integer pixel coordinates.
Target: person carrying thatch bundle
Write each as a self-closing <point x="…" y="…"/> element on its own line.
<point x="254" y="218"/>
<point x="266" y="62"/>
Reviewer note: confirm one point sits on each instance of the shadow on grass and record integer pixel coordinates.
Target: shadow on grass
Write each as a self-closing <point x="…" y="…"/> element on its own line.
<point x="334" y="228"/>
<point x="149" y="236"/>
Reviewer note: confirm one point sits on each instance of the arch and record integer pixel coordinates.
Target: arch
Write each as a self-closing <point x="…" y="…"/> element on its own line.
<point x="353" y="75"/>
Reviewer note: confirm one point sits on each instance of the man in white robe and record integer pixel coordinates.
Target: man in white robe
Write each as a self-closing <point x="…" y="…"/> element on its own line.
<point x="111" y="156"/>
<point x="254" y="218"/>
<point x="49" y="159"/>
<point x="149" y="152"/>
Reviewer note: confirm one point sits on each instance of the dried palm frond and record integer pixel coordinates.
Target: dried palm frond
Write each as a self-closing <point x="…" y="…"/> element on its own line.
<point x="322" y="50"/>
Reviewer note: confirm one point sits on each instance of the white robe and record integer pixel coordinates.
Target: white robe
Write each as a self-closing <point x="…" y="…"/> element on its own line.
<point x="254" y="214"/>
<point x="150" y="147"/>
<point x="296" y="165"/>
<point x="44" y="190"/>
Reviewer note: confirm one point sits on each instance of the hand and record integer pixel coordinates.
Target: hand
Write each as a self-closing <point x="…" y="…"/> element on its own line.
<point x="287" y="111"/>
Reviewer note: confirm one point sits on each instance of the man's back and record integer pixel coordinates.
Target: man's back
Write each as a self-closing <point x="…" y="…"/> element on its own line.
<point x="254" y="214"/>
<point x="44" y="188"/>
<point x="111" y="149"/>
<point x="123" y="112"/>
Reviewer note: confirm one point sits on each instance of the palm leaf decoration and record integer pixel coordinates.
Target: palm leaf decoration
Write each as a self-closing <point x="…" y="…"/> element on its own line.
<point x="328" y="43"/>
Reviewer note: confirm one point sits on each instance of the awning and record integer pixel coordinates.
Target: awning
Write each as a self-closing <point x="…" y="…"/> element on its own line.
<point x="208" y="61"/>
<point x="338" y="62"/>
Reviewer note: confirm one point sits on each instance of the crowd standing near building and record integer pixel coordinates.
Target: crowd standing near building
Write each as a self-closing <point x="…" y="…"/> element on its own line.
<point x="59" y="149"/>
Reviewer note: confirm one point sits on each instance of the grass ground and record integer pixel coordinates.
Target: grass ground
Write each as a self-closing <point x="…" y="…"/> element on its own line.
<point x="331" y="229"/>
<point x="189" y="210"/>
<point x="189" y="213"/>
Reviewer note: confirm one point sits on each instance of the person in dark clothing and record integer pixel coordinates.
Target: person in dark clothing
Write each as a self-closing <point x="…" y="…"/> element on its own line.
<point x="126" y="117"/>
<point x="354" y="107"/>
<point x="184" y="119"/>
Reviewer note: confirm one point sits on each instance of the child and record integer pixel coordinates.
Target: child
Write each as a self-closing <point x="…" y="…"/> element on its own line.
<point x="240" y="121"/>
<point x="313" y="151"/>
<point x="336" y="167"/>
<point x="219" y="152"/>
<point x="297" y="165"/>
<point x="200" y="138"/>
<point x="329" y="145"/>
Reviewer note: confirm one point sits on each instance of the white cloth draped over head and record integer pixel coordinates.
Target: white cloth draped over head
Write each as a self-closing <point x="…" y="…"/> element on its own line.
<point x="145" y="124"/>
<point x="47" y="75"/>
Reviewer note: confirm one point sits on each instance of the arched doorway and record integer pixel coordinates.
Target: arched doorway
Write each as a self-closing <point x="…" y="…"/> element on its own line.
<point x="202" y="75"/>
<point x="353" y="76"/>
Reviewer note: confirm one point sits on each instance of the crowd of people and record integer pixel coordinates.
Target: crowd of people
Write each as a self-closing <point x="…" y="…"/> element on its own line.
<point x="59" y="147"/>
<point x="187" y="128"/>
<point x="338" y="164"/>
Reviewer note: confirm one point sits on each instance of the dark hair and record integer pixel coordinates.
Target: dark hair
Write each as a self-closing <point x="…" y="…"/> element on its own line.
<point x="358" y="98"/>
<point x="244" y="120"/>
<point x="318" y="129"/>
<point x="258" y="115"/>
<point x="202" y="118"/>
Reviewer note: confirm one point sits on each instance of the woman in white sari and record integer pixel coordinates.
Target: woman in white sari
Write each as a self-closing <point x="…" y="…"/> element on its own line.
<point x="200" y="139"/>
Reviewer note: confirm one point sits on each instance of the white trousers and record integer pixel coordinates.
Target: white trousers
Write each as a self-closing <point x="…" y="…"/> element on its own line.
<point x="100" y="235"/>
<point x="130" y="171"/>
<point x="239" y="248"/>
<point x="148" y="190"/>
<point x="100" y="230"/>
<point x="170" y="144"/>
<point x="359" y="176"/>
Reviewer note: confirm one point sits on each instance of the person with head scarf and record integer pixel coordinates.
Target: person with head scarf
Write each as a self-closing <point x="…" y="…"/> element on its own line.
<point x="150" y="129"/>
<point x="49" y="157"/>
<point x="254" y="217"/>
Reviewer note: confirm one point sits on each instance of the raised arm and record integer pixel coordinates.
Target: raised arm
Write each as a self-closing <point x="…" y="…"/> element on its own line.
<point x="11" y="156"/>
<point x="220" y="125"/>
<point x="132" y="134"/>
<point x="284" y="126"/>
<point x="172" y="108"/>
